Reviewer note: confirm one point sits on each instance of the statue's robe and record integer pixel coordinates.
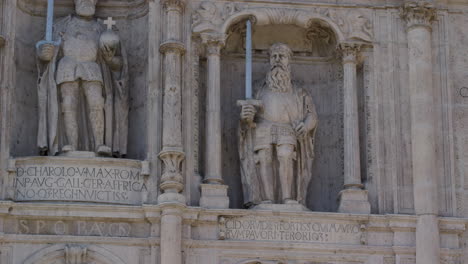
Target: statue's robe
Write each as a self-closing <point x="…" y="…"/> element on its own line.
<point x="250" y="173"/>
<point x="51" y="134"/>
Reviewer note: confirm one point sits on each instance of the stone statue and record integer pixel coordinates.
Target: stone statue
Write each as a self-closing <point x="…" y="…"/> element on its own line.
<point x="276" y="141"/>
<point x="82" y="87"/>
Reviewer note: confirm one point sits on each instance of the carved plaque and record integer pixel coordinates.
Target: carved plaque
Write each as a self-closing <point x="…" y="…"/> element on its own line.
<point x="302" y="230"/>
<point x="78" y="228"/>
<point x="74" y="179"/>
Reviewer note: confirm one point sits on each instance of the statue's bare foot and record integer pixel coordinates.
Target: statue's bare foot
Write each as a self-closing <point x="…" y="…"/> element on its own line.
<point x="68" y="148"/>
<point x="104" y="150"/>
<point x="290" y="201"/>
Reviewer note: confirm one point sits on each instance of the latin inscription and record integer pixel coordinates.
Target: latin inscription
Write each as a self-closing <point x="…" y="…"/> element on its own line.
<point x="250" y="228"/>
<point x="80" y="228"/>
<point x="79" y="183"/>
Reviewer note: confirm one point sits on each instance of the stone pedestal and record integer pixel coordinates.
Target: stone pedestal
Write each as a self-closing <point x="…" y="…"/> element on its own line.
<point x="295" y="207"/>
<point x="101" y="180"/>
<point x="214" y="196"/>
<point x="354" y="201"/>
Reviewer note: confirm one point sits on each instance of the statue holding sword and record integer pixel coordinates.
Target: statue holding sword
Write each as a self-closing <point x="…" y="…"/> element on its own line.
<point x="82" y="85"/>
<point x="276" y="139"/>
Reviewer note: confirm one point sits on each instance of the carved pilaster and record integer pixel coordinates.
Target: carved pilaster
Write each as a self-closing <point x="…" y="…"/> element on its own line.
<point x="172" y="153"/>
<point x="423" y="129"/>
<point x="418" y="14"/>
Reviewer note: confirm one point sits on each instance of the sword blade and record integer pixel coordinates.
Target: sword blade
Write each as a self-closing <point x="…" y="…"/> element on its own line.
<point x="50" y="20"/>
<point x="248" y="61"/>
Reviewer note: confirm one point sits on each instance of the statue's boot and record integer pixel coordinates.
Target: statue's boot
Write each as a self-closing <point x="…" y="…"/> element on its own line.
<point x="104" y="151"/>
<point x="68" y="148"/>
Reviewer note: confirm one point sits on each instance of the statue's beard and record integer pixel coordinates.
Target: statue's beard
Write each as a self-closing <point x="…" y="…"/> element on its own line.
<point x="279" y="78"/>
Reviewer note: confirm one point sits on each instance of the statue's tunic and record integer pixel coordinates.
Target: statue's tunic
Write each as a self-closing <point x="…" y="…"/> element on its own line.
<point x="78" y="57"/>
<point x="80" y="45"/>
<point x="274" y="121"/>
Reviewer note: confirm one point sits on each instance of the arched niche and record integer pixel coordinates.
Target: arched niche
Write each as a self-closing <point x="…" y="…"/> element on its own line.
<point x="132" y="25"/>
<point x="315" y="65"/>
<point x="58" y="254"/>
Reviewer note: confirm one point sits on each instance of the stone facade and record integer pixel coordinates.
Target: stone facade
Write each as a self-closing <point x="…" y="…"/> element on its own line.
<point x="389" y="174"/>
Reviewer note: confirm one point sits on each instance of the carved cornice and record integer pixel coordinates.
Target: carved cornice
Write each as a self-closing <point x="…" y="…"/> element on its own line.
<point x="349" y="51"/>
<point x="172" y="46"/>
<point x="213" y="42"/>
<point x="418" y="14"/>
<point x="117" y="9"/>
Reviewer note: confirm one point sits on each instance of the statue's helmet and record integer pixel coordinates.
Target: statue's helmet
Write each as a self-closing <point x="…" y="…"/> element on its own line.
<point x="85" y="7"/>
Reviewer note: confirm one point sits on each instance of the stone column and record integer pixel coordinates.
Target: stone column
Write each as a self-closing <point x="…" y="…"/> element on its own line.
<point x="172" y="154"/>
<point x="214" y="192"/>
<point x="353" y="199"/>
<point x="419" y="16"/>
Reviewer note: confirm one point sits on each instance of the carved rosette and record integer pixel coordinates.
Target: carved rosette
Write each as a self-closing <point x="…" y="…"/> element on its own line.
<point x="349" y="52"/>
<point x="418" y="14"/>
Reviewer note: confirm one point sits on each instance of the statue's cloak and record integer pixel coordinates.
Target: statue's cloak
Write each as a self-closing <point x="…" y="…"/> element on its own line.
<point x="304" y="154"/>
<point x="51" y="134"/>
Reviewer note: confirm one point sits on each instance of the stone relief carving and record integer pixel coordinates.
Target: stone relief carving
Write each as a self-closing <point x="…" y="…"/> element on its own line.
<point x="75" y="254"/>
<point x="418" y="13"/>
<point x="277" y="139"/>
<point x="354" y="23"/>
<point x="92" y="61"/>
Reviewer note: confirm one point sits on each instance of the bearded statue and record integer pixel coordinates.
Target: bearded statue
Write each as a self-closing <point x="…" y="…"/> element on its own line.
<point x="82" y="87"/>
<point x="276" y="140"/>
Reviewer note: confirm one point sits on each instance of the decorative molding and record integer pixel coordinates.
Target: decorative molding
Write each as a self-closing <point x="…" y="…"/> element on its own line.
<point x="117" y="9"/>
<point x="418" y="14"/>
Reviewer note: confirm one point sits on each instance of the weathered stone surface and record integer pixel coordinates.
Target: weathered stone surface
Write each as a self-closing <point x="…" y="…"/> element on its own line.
<point x="389" y="182"/>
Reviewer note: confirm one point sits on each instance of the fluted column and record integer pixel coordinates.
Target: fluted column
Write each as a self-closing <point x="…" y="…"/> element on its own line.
<point x="353" y="199"/>
<point x="214" y="193"/>
<point x="419" y="16"/>
<point x="172" y="154"/>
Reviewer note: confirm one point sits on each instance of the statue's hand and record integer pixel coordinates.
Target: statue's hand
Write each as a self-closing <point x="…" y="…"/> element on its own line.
<point x="108" y="53"/>
<point x="46" y="51"/>
<point x="300" y="129"/>
<point x="248" y="112"/>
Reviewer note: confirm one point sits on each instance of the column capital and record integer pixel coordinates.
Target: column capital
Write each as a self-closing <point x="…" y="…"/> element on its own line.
<point x="349" y="51"/>
<point x="213" y="42"/>
<point x="173" y="5"/>
<point x="418" y="14"/>
<point x="172" y="46"/>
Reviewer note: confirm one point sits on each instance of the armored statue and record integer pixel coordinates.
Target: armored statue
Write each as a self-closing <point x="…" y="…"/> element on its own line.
<point x="276" y="140"/>
<point x="82" y="87"/>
